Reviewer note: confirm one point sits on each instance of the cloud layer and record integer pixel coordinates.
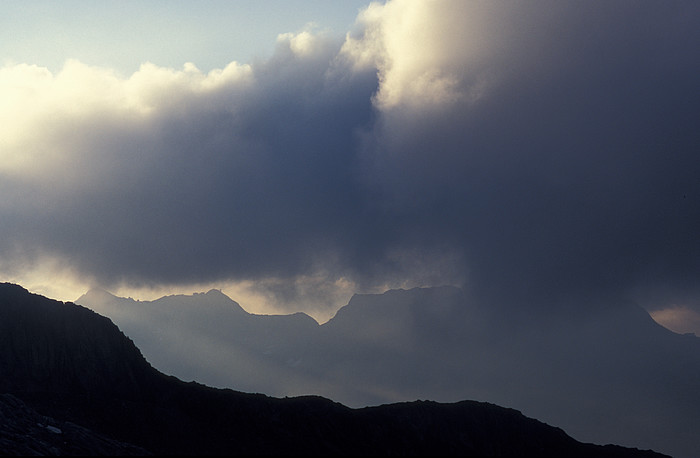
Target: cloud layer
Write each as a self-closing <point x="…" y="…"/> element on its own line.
<point x="533" y="152"/>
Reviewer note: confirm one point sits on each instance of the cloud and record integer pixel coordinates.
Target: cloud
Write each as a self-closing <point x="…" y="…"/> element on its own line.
<point x="426" y="53"/>
<point x="178" y="176"/>
<point x="534" y="152"/>
<point x="571" y="174"/>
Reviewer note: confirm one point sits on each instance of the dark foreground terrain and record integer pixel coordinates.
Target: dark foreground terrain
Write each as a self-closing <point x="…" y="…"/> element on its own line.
<point x="73" y="384"/>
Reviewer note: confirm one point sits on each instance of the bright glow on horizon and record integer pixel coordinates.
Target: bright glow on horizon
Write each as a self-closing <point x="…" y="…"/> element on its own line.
<point x="678" y="318"/>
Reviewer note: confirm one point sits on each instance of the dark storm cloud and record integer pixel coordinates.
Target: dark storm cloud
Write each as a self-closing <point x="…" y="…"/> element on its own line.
<point x="577" y="173"/>
<point x="261" y="184"/>
<point x="247" y="192"/>
<point x="553" y="157"/>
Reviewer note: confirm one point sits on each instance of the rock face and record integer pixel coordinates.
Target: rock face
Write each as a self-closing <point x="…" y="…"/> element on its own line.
<point x="63" y="366"/>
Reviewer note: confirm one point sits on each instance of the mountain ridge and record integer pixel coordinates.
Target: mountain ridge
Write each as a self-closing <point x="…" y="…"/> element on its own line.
<point x="161" y="414"/>
<point x="606" y="374"/>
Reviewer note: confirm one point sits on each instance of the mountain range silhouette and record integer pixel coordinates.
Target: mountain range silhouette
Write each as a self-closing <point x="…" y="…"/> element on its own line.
<point x="73" y="383"/>
<point x="604" y="374"/>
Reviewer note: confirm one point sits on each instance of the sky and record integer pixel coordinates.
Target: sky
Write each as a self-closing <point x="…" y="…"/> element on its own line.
<point x="538" y="154"/>
<point x="208" y="33"/>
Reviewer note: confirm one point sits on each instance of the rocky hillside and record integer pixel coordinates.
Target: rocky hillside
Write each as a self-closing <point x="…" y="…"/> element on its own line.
<point x="28" y="433"/>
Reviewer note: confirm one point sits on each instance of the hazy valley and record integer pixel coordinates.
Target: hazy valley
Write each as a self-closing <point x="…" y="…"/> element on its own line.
<point x="605" y="374"/>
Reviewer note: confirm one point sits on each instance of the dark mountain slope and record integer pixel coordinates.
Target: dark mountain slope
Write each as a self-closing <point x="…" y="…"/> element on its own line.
<point x="73" y="365"/>
<point x="63" y="348"/>
<point x="24" y="432"/>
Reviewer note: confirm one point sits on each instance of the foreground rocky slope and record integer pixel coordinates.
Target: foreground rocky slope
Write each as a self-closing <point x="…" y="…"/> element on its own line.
<point x="28" y="433"/>
<point x="70" y="365"/>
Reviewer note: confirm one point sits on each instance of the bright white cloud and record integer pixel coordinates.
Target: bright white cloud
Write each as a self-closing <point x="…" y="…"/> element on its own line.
<point x="427" y="52"/>
<point x="85" y="146"/>
<point x="47" y="119"/>
<point x="306" y="43"/>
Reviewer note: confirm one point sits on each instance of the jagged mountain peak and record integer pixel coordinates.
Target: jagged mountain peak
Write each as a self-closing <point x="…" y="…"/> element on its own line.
<point x="413" y="307"/>
<point x="212" y="299"/>
<point x="216" y="293"/>
<point x="96" y="294"/>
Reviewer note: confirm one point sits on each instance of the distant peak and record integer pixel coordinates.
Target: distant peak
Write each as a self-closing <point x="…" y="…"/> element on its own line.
<point x="216" y="296"/>
<point x="96" y="293"/>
